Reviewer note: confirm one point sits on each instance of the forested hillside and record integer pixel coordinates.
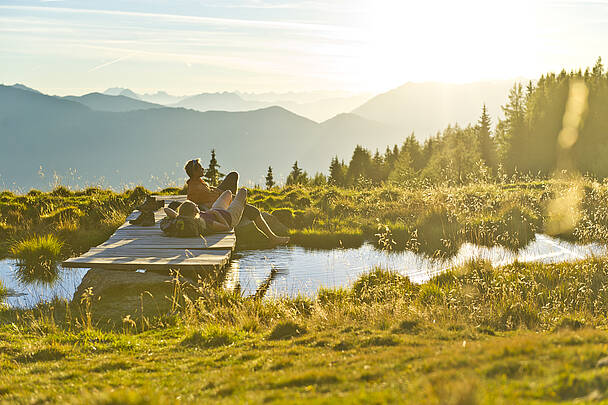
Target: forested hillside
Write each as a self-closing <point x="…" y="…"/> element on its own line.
<point x="558" y="123"/>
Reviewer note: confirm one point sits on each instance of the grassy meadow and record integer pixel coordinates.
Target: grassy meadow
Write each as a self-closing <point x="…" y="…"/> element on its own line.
<point x="477" y="334"/>
<point x="434" y="220"/>
<point x="524" y="333"/>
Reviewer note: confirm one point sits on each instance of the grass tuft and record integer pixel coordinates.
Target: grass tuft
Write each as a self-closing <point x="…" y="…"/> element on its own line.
<point x="37" y="258"/>
<point x="286" y="330"/>
<point x="212" y="336"/>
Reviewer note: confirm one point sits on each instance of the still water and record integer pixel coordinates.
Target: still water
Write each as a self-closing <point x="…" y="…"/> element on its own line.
<point x="303" y="271"/>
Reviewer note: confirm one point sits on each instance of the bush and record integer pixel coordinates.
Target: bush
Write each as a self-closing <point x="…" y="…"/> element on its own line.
<point x="285" y="215"/>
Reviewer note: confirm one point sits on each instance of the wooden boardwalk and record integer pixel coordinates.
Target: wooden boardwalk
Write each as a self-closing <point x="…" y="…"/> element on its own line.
<point x="134" y="247"/>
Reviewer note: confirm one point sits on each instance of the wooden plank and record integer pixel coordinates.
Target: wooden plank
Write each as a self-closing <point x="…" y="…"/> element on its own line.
<point x="157" y="253"/>
<point x="210" y="258"/>
<point x="144" y="262"/>
<point x="211" y="242"/>
<point x="149" y="230"/>
<point x="140" y="247"/>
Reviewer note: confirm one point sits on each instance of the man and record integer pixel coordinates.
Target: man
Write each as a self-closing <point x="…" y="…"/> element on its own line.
<point x="204" y="195"/>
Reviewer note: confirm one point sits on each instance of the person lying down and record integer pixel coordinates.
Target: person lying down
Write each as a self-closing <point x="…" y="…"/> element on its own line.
<point x="189" y="221"/>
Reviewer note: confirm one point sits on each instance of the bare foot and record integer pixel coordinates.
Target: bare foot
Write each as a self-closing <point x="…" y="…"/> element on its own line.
<point x="280" y="240"/>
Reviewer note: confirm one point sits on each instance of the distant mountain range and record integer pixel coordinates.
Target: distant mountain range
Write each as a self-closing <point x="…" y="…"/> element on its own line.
<point x="119" y="103"/>
<point x="317" y="106"/>
<point x="150" y="146"/>
<point x="122" y="138"/>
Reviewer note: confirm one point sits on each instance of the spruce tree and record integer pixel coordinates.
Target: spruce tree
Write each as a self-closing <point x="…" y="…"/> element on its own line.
<point x="212" y="174"/>
<point x="412" y="147"/>
<point x="402" y="171"/>
<point x="512" y="132"/>
<point x="359" y="166"/>
<point x="484" y="139"/>
<point x="297" y="176"/>
<point x="269" y="179"/>
<point x="337" y="173"/>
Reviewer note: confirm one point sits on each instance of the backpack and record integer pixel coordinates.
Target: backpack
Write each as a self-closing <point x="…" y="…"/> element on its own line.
<point x="181" y="227"/>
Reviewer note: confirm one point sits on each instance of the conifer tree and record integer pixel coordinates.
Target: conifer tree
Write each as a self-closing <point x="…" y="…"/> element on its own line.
<point x="377" y="171"/>
<point x="337" y="173"/>
<point x="359" y="166"/>
<point x="319" y="179"/>
<point x="512" y="132"/>
<point x="402" y="172"/>
<point x="212" y="174"/>
<point x="269" y="179"/>
<point x="297" y="176"/>
<point x="412" y="147"/>
<point x="484" y="139"/>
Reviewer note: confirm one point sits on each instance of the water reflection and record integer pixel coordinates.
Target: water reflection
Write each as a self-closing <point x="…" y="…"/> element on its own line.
<point x="24" y="294"/>
<point x="308" y="270"/>
<point x="45" y="273"/>
<point x="296" y="270"/>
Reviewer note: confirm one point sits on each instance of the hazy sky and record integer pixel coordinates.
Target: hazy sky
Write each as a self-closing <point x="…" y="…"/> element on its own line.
<point x="185" y="47"/>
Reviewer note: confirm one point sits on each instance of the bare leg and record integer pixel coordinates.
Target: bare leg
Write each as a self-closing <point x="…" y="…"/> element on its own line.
<point x="274" y="238"/>
<point x="223" y="201"/>
<point x="236" y="207"/>
<point x="252" y="213"/>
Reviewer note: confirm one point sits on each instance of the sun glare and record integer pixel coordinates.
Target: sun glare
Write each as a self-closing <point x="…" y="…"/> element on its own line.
<point x="443" y="41"/>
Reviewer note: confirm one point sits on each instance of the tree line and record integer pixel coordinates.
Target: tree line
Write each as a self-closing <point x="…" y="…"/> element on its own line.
<point x="527" y="140"/>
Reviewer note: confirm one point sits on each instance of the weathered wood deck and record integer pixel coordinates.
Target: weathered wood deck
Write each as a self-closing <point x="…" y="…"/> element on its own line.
<point x="134" y="247"/>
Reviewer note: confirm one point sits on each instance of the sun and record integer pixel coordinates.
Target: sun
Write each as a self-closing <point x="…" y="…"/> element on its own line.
<point x="447" y="41"/>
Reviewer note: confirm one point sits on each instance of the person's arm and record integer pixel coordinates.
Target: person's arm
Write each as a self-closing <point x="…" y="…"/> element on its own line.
<point x="210" y="190"/>
<point x="216" y="226"/>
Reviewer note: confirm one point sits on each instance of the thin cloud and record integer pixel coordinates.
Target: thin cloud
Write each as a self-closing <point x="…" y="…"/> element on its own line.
<point x="178" y="17"/>
<point x="112" y="62"/>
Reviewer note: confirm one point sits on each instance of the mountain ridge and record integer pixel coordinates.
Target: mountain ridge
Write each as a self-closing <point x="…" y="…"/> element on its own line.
<point x="150" y="146"/>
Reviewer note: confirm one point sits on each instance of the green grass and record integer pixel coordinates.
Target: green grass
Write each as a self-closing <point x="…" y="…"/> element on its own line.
<point x="523" y="333"/>
<point x="434" y="220"/>
<point x="3" y="292"/>
<point x="327" y="239"/>
<point x="37" y="258"/>
<point x="81" y="219"/>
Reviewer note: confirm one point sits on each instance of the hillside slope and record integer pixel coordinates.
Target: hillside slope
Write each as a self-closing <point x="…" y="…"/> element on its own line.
<point x="150" y="146"/>
<point x="425" y="108"/>
<point x="104" y="102"/>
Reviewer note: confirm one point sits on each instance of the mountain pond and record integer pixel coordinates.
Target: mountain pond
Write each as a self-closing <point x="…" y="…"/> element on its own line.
<point x="298" y="270"/>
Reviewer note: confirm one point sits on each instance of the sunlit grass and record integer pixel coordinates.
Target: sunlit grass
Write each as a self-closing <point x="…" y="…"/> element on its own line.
<point x="37" y="259"/>
<point x="431" y="219"/>
<point x="474" y="333"/>
<point x="327" y="239"/>
<point x="3" y="292"/>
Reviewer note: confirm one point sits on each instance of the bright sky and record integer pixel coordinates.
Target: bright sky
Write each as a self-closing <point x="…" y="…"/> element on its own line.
<point x="185" y="46"/>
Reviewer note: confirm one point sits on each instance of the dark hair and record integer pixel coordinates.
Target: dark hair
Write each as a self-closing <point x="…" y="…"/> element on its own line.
<point x="190" y="166"/>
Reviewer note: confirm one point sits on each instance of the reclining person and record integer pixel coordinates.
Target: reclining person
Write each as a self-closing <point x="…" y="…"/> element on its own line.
<point x="224" y="214"/>
<point x="205" y="196"/>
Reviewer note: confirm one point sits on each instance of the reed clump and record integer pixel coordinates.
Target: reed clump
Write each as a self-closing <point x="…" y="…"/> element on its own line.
<point x="3" y="292"/>
<point x="37" y="259"/>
